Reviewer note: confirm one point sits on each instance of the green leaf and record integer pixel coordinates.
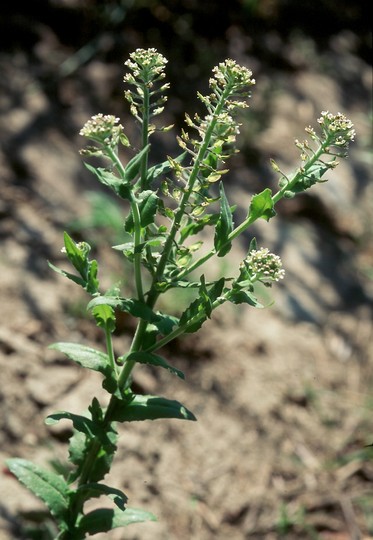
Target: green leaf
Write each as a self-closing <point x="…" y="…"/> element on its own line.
<point x="105" y="317"/>
<point x="129" y="247"/>
<point x="95" y="489"/>
<point x="77" y="255"/>
<point x="194" y="310"/>
<point x="166" y="323"/>
<point x="72" y="277"/>
<point x="91" y="359"/>
<point x="148" y="204"/>
<point x="106" y="519"/>
<point x="224" y="226"/>
<point x="84" y="356"/>
<point x="133" y="166"/>
<point x="162" y="168"/>
<point x="253" y="245"/>
<point x="204" y="296"/>
<point x="201" y="308"/>
<point x="80" y="423"/>
<point x="262" y="206"/>
<point x="48" y="486"/>
<point x="78" y="443"/>
<point x="91" y="431"/>
<point x="150" y="408"/>
<point x="243" y="297"/>
<point x="153" y="360"/>
<point x="148" y="208"/>
<point x="193" y="227"/>
<point x="129" y="305"/>
<point x="216" y="290"/>
<point x="92" y="281"/>
<point x="105" y="177"/>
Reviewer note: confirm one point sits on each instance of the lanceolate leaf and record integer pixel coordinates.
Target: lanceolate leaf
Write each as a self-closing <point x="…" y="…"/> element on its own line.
<point x="148" y="204"/>
<point x="78" y="257"/>
<point x="154" y="360"/>
<point x="76" y="279"/>
<point x="194" y="311"/>
<point x="80" y="423"/>
<point x="84" y="356"/>
<point x="148" y="208"/>
<point x="106" y="519"/>
<point x="262" y="206"/>
<point x="129" y="305"/>
<point x="201" y="308"/>
<point x="133" y="166"/>
<point x="105" y="177"/>
<point x="162" y="168"/>
<point x="48" y="486"/>
<point x="91" y="358"/>
<point x="244" y="297"/>
<point x="92" y="281"/>
<point x="96" y="490"/>
<point x="150" y="408"/>
<point x="224" y="226"/>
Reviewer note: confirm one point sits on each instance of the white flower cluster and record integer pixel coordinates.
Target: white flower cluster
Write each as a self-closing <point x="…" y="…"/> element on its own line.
<point x="264" y="266"/>
<point x="229" y="73"/>
<point x="145" y="64"/>
<point x="337" y="127"/>
<point x="100" y="127"/>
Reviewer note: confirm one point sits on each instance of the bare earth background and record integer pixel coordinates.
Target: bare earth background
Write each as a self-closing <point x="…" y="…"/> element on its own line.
<point x="283" y="396"/>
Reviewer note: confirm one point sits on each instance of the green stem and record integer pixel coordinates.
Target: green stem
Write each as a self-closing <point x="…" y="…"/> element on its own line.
<point x="302" y="172"/>
<point x="135" y="346"/>
<point x="109" y="350"/>
<point x="137" y="237"/>
<point x="183" y="329"/>
<point x="236" y="232"/>
<point x="137" y="225"/>
<point x="153" y="295"/>
<point x="145" y="137"/>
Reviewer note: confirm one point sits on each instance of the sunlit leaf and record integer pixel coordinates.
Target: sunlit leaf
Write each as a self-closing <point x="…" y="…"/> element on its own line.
<point x="48" y="486"/>
<point x="150" y="408"/>
<point x="262" y="206"/>
<point x="154" y="360"/>
<point x="106" y="519"/>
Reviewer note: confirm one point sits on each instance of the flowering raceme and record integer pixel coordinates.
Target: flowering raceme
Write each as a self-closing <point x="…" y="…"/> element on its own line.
<point x="264" y="266"/>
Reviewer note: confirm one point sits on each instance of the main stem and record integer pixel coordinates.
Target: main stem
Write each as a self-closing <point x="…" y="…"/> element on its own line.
<point x="125" y="374"/>
<point x="95" y="447"/>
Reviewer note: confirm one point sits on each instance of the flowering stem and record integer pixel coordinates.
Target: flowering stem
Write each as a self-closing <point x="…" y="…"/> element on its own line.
<point x="180" y="330"/>
<point x="234" y="234"/>
<point x="137" y="226"/>
<point x="145" y="136"/>
<point x="153" y="295"/>
<point x="301" y="173"/>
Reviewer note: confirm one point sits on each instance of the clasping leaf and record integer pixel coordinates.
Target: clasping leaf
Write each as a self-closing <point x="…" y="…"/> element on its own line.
<point x="138" y="407"/>
<point x="262" y="206"/>
<point x="224" y="226"/>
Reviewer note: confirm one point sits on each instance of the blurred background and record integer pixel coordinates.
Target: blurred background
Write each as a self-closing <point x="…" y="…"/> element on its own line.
<point x="300" y="377"/>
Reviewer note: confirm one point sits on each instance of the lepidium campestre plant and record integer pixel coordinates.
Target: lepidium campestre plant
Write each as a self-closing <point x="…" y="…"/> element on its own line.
<point x="169" y="205"/>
